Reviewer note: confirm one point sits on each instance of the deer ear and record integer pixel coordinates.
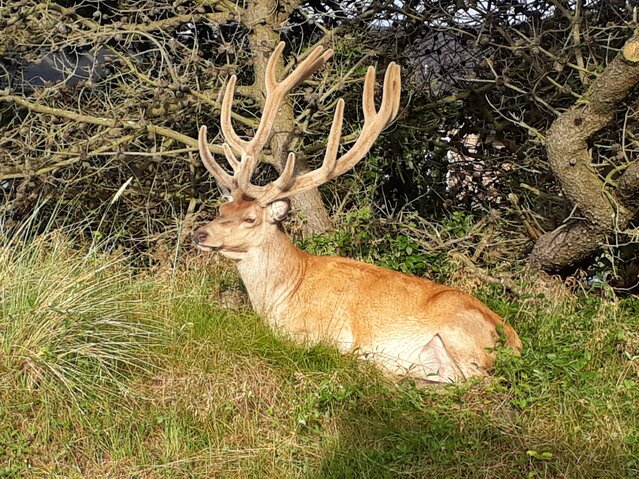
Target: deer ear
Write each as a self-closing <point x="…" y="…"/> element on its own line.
<point x="278" y="210"/>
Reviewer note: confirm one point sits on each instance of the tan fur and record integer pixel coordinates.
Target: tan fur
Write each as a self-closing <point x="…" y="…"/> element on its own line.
<point x="407" y="325"/>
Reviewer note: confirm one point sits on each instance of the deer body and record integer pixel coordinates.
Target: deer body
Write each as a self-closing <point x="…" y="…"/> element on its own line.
<point x="407" y="325"/>
<point x="391" y="318"/>
<point x="392" y="323"/>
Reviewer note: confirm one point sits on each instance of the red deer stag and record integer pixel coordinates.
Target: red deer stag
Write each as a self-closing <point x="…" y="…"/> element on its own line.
<point x="407" y="325"/>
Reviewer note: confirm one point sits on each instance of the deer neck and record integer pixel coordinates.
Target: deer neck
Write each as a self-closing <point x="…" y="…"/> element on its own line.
<point x="271" y="273"/>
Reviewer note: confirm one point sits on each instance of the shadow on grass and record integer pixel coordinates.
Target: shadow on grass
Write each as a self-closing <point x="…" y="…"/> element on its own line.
<point x="462" y="432"/>
<point x="410" y="432"/>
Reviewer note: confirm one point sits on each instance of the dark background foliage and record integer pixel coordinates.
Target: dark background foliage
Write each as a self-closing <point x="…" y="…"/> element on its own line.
<point x="100" y="103"/>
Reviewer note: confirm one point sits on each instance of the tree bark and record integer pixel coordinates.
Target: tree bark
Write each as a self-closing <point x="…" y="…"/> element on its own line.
<point x="569" y="245"/>
<point x="264" y="18"/>
<point x="603" y="210"/>
<point x="628" y="190"/>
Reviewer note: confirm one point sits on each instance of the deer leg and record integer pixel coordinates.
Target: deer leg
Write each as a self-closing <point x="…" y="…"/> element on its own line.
<point x="437" y="364"/>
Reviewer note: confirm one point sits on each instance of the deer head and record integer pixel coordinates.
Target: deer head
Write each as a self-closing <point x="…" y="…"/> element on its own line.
<point x="254" y="213"/>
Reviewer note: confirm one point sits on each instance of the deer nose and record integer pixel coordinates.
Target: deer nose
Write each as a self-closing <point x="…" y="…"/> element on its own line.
<point x="200" y="236"/>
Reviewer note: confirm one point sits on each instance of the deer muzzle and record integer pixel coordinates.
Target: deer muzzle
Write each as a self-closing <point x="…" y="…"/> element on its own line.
<point x="202" y="240"/>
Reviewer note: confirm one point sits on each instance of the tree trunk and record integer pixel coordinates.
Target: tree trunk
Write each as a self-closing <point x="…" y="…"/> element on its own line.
<point x="603" y="210"/>
<point x="264" y="18"/>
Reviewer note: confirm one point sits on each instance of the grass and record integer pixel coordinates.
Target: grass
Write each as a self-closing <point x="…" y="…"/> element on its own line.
<point x="109" y="372"/>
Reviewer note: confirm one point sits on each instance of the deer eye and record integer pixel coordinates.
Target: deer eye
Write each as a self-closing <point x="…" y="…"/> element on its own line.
<point x="249" y="220"/>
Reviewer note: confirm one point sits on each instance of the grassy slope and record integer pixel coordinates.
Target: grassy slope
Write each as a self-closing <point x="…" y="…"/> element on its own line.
<point x="104" y="373"/>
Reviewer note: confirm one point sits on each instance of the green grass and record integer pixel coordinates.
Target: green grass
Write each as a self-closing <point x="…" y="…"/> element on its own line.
<point x="107" y="372"/>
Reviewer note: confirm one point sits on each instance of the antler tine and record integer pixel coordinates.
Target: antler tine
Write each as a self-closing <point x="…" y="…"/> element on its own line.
<point x="332" y="145"/>
<point x="247" y="167"/>
<point x="275" y="92"/>
<point x="225" y="117"/>
<point x="223" y="179"/>
<point x="305" y="69"/>
<point x="273" y="189"/>
<point x="230" y="157"/>
<point x="374" y="122"/>
<point x="287" y="184"/>
<point x="368" y="94"/>
<point x="270" y="77"/>
<point x="313" y="62"/>
<point x="266" y="194"/>
<point x="397" y="89"/>
<point x="286" y="181"/>
<point x="286" y="178"/>
<point x="250" y="150"/>
<point x="390" y="101"/>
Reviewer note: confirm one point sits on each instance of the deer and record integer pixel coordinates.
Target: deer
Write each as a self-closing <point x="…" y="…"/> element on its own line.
<point x="410" y="327"/>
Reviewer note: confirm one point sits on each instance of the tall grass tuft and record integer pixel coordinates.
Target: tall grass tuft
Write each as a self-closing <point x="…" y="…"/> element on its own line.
<point x="72" y="323"/>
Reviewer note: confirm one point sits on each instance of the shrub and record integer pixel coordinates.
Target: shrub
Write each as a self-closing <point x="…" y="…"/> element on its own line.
<point x="69" y="318"/>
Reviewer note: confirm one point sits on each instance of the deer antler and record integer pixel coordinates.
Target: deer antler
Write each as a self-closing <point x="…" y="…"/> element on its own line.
<point x="287" y="184"/>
